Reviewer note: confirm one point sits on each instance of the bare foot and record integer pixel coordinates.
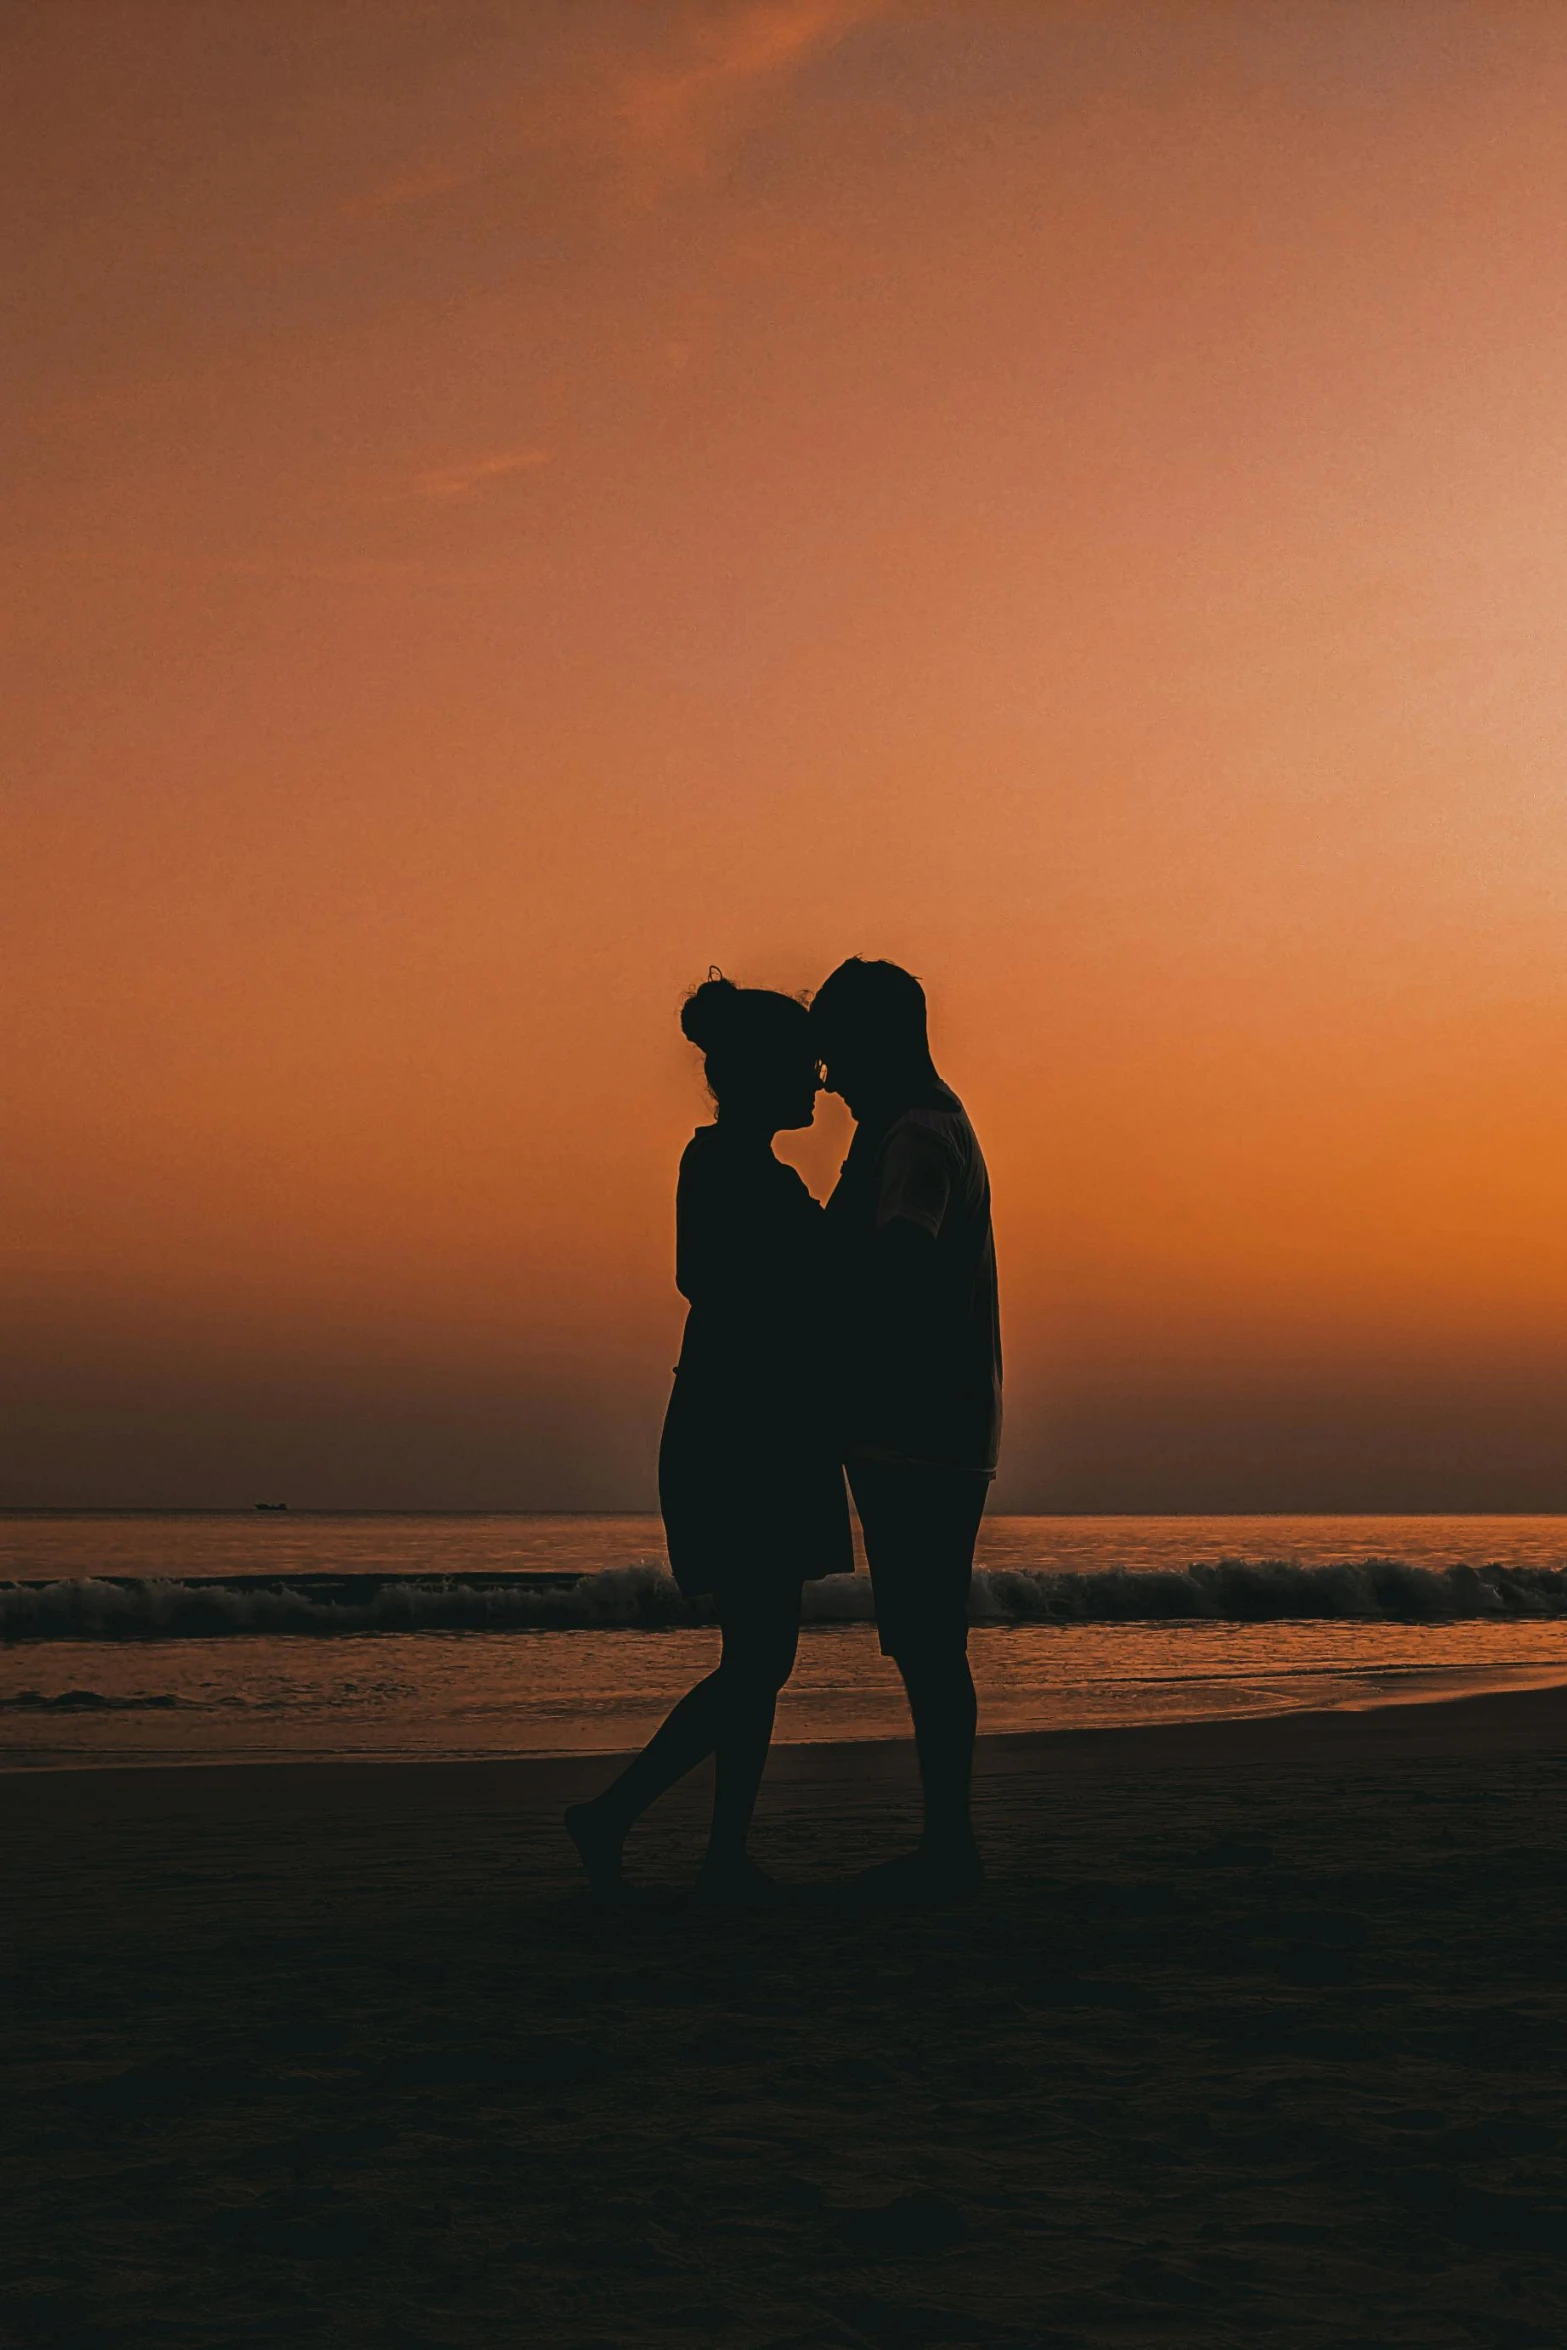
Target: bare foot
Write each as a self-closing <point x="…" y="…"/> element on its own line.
<point x="599" y="1847"/>
<point x="735" y="1884"/>
<point x="929" y="1877"/>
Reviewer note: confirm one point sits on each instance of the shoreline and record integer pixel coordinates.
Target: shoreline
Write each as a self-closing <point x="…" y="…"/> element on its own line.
<point x="1518" y="1721"/>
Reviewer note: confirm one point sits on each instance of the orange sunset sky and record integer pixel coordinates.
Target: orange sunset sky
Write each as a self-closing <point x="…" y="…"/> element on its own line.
<point x="512" y="504"/>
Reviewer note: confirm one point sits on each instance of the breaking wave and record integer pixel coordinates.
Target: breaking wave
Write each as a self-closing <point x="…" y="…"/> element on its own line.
<point x="643" y="1597"/>
<point x="85" y="1701"/>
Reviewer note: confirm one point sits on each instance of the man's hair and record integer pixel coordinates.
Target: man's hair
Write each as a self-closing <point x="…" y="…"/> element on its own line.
<point x="879" y="1004"/>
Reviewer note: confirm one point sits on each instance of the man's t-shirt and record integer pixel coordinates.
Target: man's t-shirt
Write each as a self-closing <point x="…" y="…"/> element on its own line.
<point x="922" y="1337"/>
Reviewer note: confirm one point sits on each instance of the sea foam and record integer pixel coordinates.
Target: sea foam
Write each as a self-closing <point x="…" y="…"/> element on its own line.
<point x="642" y="1597"/>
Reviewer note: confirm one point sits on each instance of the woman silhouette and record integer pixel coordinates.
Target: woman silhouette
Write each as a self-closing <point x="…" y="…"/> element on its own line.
<point x="748" y="1476"/>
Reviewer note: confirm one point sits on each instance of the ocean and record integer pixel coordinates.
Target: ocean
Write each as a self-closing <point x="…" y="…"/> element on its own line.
<point x="144" y="1637"/>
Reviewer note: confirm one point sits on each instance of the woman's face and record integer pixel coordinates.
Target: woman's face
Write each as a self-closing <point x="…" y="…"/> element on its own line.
<point x="787" y="1087"/>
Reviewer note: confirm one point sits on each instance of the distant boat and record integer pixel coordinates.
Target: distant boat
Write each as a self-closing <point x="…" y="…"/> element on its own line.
<point x="272" y="1505"/>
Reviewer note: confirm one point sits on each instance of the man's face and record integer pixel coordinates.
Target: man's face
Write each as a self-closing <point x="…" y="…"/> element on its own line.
<point x="845" y="1071"/>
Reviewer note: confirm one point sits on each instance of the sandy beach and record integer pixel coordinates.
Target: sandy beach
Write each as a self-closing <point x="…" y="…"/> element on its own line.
<point x="1258" y="2033"/>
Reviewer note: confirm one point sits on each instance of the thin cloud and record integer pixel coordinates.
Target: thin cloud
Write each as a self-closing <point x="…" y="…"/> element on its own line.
<point x="460" y="481"/>
<point x="419" y="185"/>
<point x="674" y="116"/>
<point x="656" y="117"/>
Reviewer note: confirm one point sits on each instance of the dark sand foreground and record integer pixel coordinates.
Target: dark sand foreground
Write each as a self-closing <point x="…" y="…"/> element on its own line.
<point x="1258" y="2036"/>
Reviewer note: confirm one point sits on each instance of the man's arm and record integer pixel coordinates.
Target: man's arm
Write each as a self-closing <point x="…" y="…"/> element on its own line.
<point x="913" y="1197"/>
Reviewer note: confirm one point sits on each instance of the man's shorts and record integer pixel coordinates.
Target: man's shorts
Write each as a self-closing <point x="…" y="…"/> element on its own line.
<point x="920" y="1524"/>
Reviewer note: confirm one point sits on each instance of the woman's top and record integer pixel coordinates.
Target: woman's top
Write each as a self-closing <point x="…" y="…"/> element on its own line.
<point x="748" y="1261"/>
<point x="749" y="1473"/>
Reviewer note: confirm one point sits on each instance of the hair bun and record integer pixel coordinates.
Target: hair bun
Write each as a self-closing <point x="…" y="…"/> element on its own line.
<point x="708" y="1014"/>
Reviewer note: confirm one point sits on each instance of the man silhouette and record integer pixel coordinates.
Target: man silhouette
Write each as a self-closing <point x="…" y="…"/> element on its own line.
<point x="921" y="1368"/>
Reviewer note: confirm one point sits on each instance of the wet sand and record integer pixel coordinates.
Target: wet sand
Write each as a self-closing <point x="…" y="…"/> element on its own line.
<point x="1258" y="2034"/>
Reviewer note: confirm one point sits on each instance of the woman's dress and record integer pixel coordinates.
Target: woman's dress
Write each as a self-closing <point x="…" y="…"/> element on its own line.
<point x="749" y="1475"/>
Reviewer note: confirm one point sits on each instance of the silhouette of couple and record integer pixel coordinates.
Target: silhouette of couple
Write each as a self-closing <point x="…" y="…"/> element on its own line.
<point x="863" y="1335"/>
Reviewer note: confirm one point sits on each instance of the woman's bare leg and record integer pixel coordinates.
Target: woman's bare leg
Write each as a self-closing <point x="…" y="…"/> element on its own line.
<point x="730" y="1713"/>
<point x="686" y="1737"/>
<point x="760" y="1639"/>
